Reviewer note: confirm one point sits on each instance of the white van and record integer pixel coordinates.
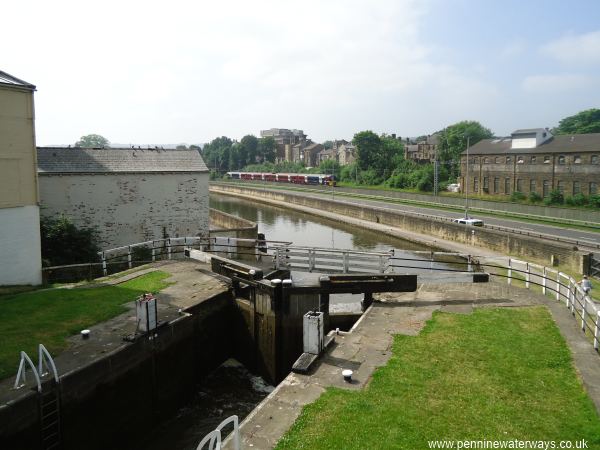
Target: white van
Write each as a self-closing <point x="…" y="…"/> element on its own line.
<point x="469" y="222"/>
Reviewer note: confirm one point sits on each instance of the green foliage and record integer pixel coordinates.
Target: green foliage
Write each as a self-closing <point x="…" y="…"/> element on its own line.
<point x="329" y="166"/>
<point x="349" y="173"/>
<point x="328" y="145"/>
<point x="494" y="374"/>
<point x="555" y="197"/>
<point x="453" y="141"/>
<point x="517" y="196"/>
<point x="577" y="200"/>
<point x="595" y="200"/>
<point x="587" y="121"/>
<point x="63" y="243"/>
<point x="249" y="150"/>
<point x="266" y="149"/>
<point x="534" y="197"/>
<point x="368" y="145"/>
<point x="50" y="316"/>
<point x="92" y="141"/>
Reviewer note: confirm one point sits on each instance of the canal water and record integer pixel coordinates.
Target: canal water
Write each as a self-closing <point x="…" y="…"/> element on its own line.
<point x="281" y="224"/>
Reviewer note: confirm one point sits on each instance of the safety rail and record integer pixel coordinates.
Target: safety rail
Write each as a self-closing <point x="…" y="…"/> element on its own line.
<point x="315" y="259"/>
<point x="160" y="249"/>
<point x="214" y="438"/>
<point x="44" y="359"/>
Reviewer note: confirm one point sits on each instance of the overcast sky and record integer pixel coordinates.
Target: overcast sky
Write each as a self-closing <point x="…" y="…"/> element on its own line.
<point x="153" y="72"/>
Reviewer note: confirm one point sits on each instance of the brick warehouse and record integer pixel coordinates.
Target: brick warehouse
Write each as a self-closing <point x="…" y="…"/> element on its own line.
<point x="533" y="160"/>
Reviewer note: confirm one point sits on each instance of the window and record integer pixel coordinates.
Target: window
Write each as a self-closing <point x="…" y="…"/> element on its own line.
<point x="595" y="159"/>
<point x="593" y="188"/>
<point x="486" y="160"/>
<point x="533" y="158"/>
<point x="576" y="187"/>
<point x="496" y="185"/>
<point x="577" y="159"/>
<point x="520" y="160"/>
<point x="475" y="184"/>
<point x="477" y="160"/>
<point x="508" y="160"/>
<point x="519" y="185"/>
<point x="532" y="186"/>
<point x="561" y="159"/>
<point x="547" y="187"/>
<point x="546" y="159"/>
<point x="497" y="160"/>
<point x="561" y="187"/>
<point x="486" y="183"/>
<point x="507" y="185"/>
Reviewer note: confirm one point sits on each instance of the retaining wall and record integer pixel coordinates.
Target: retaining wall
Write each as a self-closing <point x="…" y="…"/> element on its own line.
<point x="109" y="403"/>
<point x="527" y="247"/>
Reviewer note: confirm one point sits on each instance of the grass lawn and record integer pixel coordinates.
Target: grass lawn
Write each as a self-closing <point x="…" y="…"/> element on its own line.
<point x="49" y="316"/>
<point x="497" y="374"/>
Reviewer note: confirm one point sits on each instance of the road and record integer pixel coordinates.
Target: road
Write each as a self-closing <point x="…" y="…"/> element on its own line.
<point x="583" y="239"/>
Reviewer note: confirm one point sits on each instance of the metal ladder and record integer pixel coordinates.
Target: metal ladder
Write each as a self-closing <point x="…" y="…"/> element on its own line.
<point x="50" y="418"/>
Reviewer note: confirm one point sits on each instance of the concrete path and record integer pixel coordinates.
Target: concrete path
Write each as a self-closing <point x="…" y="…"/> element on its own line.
<point x="368" y="346"/>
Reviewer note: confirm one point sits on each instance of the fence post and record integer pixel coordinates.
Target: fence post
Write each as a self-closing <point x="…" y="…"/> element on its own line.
<point x="169" y="248"/>
<point x="311" y="260"/>
<point x="129" y="255"/>
<point x="597" y="325"/>
<point x="153" y="251"/>
<point x="544" y="281"/>
<point x="509" y="271"/>
<point x="557" y="285"/>
<point x="527" y="274"/>
<point x="583" y="306"/>
<point x="104" y="271"/>
<point x="345" y="261"/>
<point x="469" y="266"/>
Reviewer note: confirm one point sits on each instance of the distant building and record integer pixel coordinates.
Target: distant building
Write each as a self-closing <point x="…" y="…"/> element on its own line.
<point x="20" y="254"/>
<point x="533" y="160"/>
<point x="128" y="195"/>
<point x="325" y="155"/>
<point x="283" y="137"/>
<point x="423" y="151"/>
<point x="310" y="153"/>
<point x="346" y="154"/>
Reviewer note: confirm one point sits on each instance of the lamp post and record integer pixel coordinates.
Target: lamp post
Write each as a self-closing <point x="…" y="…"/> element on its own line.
<point x="467" y="182"/>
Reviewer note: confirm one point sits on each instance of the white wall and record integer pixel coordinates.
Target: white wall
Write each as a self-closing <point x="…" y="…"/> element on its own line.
<point x="129" y="208"/>
<point x="20" y="254"/>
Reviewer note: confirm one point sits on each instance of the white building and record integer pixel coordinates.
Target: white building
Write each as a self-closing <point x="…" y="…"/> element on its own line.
<point x="20" y="255"/>
<point x="127" y="195"/>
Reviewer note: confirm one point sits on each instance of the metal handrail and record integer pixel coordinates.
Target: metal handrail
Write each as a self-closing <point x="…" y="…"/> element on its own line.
<point x="21" y="372"/>
<point x="44" y="358"/>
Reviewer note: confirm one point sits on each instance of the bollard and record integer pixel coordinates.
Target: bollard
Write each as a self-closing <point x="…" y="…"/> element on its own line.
<point x="544" y="281"/>
<point x="509" y="271"/>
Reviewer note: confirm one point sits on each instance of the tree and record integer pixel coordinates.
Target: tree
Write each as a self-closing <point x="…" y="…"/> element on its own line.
<point x="92" y="141"/>
<point x="250" y="149"/>
<point x="583" y="122"/>
<point x="216" y="154"/>
<point x="367" y="148"/>
<point x="453" y="141"/>
<point x="329" y="166"/>
<point x="266" y="148"/>
<point x="327" y="145"/>
<point x="64" y="243"/>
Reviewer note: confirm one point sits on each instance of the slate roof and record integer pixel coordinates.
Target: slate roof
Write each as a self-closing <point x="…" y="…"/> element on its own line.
<point x="122" y="160"/>
<point x="7" y="79"/>
<point x="528" y="130"/>
<point x="557" y="144"/>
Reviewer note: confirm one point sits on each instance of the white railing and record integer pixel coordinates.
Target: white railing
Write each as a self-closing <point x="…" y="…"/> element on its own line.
<point x="214" y="438"/>
<point x="561" y="287"/>
<point x="44" y="359"/>
<point x="314" y="259"/>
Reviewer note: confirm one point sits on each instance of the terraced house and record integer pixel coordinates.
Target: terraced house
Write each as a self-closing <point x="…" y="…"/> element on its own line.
<point x="533" y="160"/>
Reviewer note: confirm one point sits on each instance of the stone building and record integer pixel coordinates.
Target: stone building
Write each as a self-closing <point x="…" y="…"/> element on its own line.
<point x="127" y="195"/>
<point x="423" y="151"/>
<point x="20" y="254"/>
<point x="533" y="160"/>
<point x="346" y="154"/>
<point x="310" y="154"/>
<point x="284" y="140"/>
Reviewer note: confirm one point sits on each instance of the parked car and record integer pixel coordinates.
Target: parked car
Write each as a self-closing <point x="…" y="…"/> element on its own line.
<point x="469" y="222"/>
